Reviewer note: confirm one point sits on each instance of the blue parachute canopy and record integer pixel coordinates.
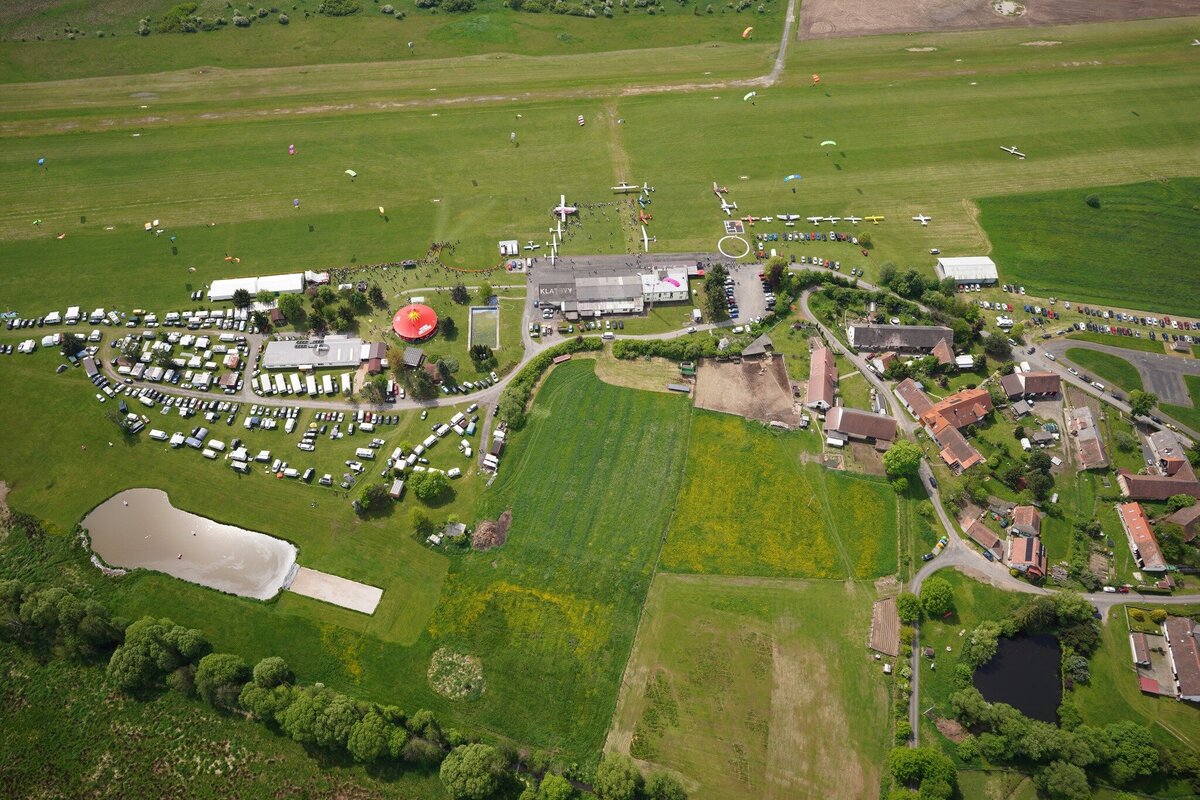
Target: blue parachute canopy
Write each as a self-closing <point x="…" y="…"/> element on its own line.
<point x="792" y="178"/>
<point x="41" y="162"/>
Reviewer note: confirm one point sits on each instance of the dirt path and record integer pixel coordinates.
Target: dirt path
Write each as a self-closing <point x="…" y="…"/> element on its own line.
<point x="622" y="170"/>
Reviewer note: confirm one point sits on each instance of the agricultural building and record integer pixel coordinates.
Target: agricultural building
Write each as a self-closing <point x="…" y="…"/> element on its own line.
<point x="1089" y="447"/>
<point x="1188" y="519"/>
<point x="1184" y="652"/>
<point x="898" y="338"/>
<point x="1026" y="521"/>
<point x="822" y="379"/>
<point x="849" y="423"/>
<point x="968" y="270"/>
<point x="1141" y="538"/>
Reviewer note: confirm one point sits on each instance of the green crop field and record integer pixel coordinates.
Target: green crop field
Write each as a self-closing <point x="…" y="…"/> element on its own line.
<point x="753" y="504"/>
<point x="1107" y="367"/>
<point x="1131" y="252"/>
<point x="756" y="688"/>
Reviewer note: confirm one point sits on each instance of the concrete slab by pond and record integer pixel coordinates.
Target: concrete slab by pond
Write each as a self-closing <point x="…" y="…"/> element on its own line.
<point x="139" y="528"/>
<point x="338" y="591"/>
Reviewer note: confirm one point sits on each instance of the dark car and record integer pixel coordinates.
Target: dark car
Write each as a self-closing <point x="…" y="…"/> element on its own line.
<point x="927" y="557"/>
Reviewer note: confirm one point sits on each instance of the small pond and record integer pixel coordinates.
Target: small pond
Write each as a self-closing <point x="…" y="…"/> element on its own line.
<point x="1024" y="674"/>
<point x="140" y="528"/>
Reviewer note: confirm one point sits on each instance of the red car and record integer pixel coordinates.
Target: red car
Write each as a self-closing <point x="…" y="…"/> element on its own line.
<point x="1123" y="589"/>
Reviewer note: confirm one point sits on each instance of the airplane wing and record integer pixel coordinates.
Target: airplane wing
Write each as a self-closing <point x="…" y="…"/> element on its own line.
<point x="814" y="220"/>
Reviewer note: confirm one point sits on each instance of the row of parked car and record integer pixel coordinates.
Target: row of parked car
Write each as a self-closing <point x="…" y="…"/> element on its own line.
<point x="1150" y="322"/>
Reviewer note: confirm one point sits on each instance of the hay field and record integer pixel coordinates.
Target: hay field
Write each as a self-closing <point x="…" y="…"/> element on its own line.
<point x="754" y="502"/>
<point x="732" y="685"/>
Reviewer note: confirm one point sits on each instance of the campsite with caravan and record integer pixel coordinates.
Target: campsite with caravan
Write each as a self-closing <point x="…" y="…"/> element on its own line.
<point x="467" y="400"/>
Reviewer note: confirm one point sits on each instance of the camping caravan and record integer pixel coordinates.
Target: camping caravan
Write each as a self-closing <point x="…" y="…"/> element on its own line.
<point x="72" y="317"/>
<point x="365" y="453"/>
<point x="295" y="382"/>
<point x="310" y="383"/>
<point x="240" y="466"/>
<point x="327" y="384"/>
<point x="280" y="386"/>
<point x="346" y="386"/>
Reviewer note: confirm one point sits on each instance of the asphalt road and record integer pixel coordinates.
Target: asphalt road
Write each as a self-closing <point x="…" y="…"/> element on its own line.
<point x="1161" y="373"/>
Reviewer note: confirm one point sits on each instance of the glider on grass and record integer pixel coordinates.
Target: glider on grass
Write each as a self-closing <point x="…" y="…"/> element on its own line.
<point x="792" y="178"/>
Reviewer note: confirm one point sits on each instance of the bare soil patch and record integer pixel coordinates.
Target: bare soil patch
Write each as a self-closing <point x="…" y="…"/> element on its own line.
<point x="492" y="534"/>
<point x="951" y="729"/>
<point x="885" y="627"/>
<point x="455" y="675"/>
<point x="1040" y="43"/>
<point x="867" y="458"/>
<point x="829" y="19"/>
<point x="754" y="388"/>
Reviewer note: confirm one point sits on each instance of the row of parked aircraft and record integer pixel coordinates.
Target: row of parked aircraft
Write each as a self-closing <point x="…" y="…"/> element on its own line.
<point x="790" y="219"/>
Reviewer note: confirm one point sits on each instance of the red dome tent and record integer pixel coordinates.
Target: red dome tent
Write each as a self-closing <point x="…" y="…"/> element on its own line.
<point x="415" y="323"/>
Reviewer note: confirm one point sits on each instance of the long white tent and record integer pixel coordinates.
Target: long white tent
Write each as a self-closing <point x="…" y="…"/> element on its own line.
<point x="292" y="283"/>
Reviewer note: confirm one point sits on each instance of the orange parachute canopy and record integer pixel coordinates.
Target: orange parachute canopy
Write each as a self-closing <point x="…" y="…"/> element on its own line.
<point x="816" y="78"/>
<point x="746" y="33"/>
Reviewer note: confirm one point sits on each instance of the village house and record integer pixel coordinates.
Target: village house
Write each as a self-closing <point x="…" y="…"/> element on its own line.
<point x="822" y="380"/>
<point x="1027" y="555"/>
<point x="1141" y="537"/>
<point x="843" y="424"/>
<point x="1026" y="521"/>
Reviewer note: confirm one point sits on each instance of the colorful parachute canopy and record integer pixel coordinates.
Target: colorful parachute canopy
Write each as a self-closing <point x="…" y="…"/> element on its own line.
<point x="746" y="33"/>
<point x="41" y="162"/>
<point x="828" y="142"/>
<point x="749" y="96"/>
<point x="792" y="178"/>
<point x="816" y="78"/>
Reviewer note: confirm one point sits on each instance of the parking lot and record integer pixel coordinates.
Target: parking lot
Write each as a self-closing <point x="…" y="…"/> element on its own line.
<point x="1161" y="374"/>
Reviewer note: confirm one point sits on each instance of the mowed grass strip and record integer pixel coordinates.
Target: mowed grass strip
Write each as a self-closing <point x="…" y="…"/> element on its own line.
<point x="733" y="685"/>
<point x="1135" y="250"/>
<point x="751" y="505"/>
<point x="591" y="483"/>
<point x="1127" y="342"/>
<point x="1108" y="367"/>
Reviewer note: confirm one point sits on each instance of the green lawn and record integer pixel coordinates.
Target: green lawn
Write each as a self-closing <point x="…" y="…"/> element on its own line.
<point x="70" y="735"/>
<point x="1108" y="368"/>
<point x="1189" y="416"/>
<point x="756" y="688"/>
<point x="852" y="385"/>
<point x="753" y="504"/>
<point x="1128" y="342"/>
<point x="1055" y="244"/>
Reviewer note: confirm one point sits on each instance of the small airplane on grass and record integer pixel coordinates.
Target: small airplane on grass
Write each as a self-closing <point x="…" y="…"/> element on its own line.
<point x="815" y="220"/>
<point x="921" y="218"/>
<point x="875" y="219"/>
<point x="646" y="239"/>
<point x="751" y="220"/>
<point x="719" y="190"/>
<point x="531" y="245"/>
<point x="728" y="208"/>
<point x="853" y="220"/>
<point x="833" y="220"/>
<point x="563" y="210"/>
<point x="625" y="188"/>
<point x="787" y="217"/>
<point x="644" y="217"/>
<point x="1013" y="151"/>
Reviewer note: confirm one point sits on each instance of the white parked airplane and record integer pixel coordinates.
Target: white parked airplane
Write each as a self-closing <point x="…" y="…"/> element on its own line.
<point x="1013" y="151"/>
<point x="921" y="218"/>
<point x="787" y="217"/>
<point x="562" y="209"/>
<point x="815" y="220"/>
<point x="625" y="188"/>
<point x="532" y="246"/>
<point x="727" y="207"/>
<point x="832" y="220"/>
<point x="646" y="240"/>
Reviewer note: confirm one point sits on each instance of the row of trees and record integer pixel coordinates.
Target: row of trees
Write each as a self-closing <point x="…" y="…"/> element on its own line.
<point x="52" y="619"/>
<point x="461" y="295"/>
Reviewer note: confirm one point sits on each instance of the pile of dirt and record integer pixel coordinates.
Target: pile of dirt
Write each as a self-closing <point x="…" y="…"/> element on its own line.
<point x="489" y="535"/>
<point x="951" y="729"/>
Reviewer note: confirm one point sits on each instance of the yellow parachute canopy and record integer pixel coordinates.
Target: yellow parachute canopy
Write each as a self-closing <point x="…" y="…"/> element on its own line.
<point x="746" y="33"/>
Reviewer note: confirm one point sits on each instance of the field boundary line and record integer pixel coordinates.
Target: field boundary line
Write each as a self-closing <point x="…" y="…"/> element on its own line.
<point x="654" y="573"/>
